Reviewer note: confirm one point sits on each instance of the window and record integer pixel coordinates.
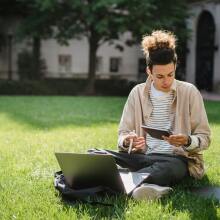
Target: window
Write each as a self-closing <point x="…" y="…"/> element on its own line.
<point x="65" y="63"/>
<point x="115" y="64"/>
<point x="99" y="62"/>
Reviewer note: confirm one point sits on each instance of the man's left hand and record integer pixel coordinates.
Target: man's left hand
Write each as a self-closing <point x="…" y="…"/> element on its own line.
<point x="177" y="139"/>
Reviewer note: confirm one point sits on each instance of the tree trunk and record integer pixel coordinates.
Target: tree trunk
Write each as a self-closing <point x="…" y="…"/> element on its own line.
<point x="93" y="46"/>
<point x="36" y="71"/>
<point x="10" y="56"/>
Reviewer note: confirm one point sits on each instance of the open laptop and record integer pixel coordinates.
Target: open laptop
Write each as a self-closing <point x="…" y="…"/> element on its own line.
<point x="88" y="170"/>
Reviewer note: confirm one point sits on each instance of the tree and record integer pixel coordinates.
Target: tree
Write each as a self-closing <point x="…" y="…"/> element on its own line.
<point x="9" y="9"/>
<point x="100" y="21"/>
<point x="104" y="20"/>
<point x="33" y="24"/>
<point x="37" y="25"/>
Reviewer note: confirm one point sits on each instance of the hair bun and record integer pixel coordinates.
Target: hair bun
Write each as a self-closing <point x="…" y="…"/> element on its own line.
<point x="157" y="40"/>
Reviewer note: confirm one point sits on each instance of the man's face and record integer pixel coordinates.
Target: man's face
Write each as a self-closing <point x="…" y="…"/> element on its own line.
<point x="163" y="76"/>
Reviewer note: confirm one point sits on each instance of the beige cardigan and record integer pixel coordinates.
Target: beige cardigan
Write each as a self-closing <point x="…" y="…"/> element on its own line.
<point x="190" y="118"/>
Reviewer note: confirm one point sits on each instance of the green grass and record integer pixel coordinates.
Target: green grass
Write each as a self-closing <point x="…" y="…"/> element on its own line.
<point x="32" y="128"/>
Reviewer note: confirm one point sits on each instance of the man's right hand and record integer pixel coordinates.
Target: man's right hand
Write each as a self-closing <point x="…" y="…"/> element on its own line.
<point x="138" y="145"/>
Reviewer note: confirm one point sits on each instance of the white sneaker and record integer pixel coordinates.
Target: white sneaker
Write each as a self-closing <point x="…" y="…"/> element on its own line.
<point x="150" y="192"/>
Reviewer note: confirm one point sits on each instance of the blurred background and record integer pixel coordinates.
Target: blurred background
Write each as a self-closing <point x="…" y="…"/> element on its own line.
<point x="92" y="47"/>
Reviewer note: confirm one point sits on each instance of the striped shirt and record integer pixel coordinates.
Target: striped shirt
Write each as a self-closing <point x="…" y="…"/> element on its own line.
<point x="161" y="118"/>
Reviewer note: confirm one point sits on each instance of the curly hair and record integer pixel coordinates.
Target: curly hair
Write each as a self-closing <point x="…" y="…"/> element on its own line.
<point x="159" y="48"/>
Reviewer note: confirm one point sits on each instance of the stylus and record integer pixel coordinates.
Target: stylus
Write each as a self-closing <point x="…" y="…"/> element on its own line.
<point x="131" y="143"/>
<point x="130" y="146"/>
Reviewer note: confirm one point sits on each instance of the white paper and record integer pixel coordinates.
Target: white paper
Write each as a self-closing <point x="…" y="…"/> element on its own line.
<point x="132" y="179"/>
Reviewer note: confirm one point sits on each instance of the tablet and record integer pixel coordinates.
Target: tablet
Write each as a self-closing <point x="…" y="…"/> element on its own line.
<point x="156" y="133"/>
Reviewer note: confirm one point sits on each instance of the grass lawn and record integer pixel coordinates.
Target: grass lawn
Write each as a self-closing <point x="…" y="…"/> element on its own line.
<point x="32" y="128"/>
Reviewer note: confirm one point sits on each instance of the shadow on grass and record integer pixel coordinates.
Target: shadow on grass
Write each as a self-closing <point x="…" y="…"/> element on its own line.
<point x="51" y="112"/>
<point x="116" y="210"/>
<point x="183" y="200"/>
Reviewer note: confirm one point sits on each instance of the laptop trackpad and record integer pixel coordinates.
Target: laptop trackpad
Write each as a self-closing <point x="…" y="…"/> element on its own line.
<point x="132" y="179"/>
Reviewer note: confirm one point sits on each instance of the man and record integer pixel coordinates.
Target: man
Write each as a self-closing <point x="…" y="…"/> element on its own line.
<point x="167" y="104"/>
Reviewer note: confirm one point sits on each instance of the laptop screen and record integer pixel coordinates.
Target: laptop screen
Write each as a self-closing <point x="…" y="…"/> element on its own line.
<point x="89" y="170"/>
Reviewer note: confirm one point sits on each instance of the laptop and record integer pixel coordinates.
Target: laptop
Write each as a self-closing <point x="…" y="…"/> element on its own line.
<point x="90" y="170"/>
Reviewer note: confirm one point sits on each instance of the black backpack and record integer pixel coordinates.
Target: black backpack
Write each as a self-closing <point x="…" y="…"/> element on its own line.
<point x="90" y="195"/>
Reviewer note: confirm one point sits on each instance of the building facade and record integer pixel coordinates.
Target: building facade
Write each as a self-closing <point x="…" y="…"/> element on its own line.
<point x="72" y="61"/>
<point x="202" y="58"/>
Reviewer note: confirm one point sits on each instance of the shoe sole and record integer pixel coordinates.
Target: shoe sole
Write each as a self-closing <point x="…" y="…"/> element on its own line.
<point x="148" y="193"/>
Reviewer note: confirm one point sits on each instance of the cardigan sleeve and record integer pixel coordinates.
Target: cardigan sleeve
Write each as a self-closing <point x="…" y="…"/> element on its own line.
<point x="127" y="122"/>
<point x="199" y="121"/>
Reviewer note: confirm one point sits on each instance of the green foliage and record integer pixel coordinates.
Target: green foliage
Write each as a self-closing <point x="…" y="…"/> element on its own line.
<point x="107" y="19"/>
<point x="11" y="8"/>
<point x="103" y="20"/>
<point x="35" y="127"/>
<point x="168" y="15"/>
<point x="35" y="22"/>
